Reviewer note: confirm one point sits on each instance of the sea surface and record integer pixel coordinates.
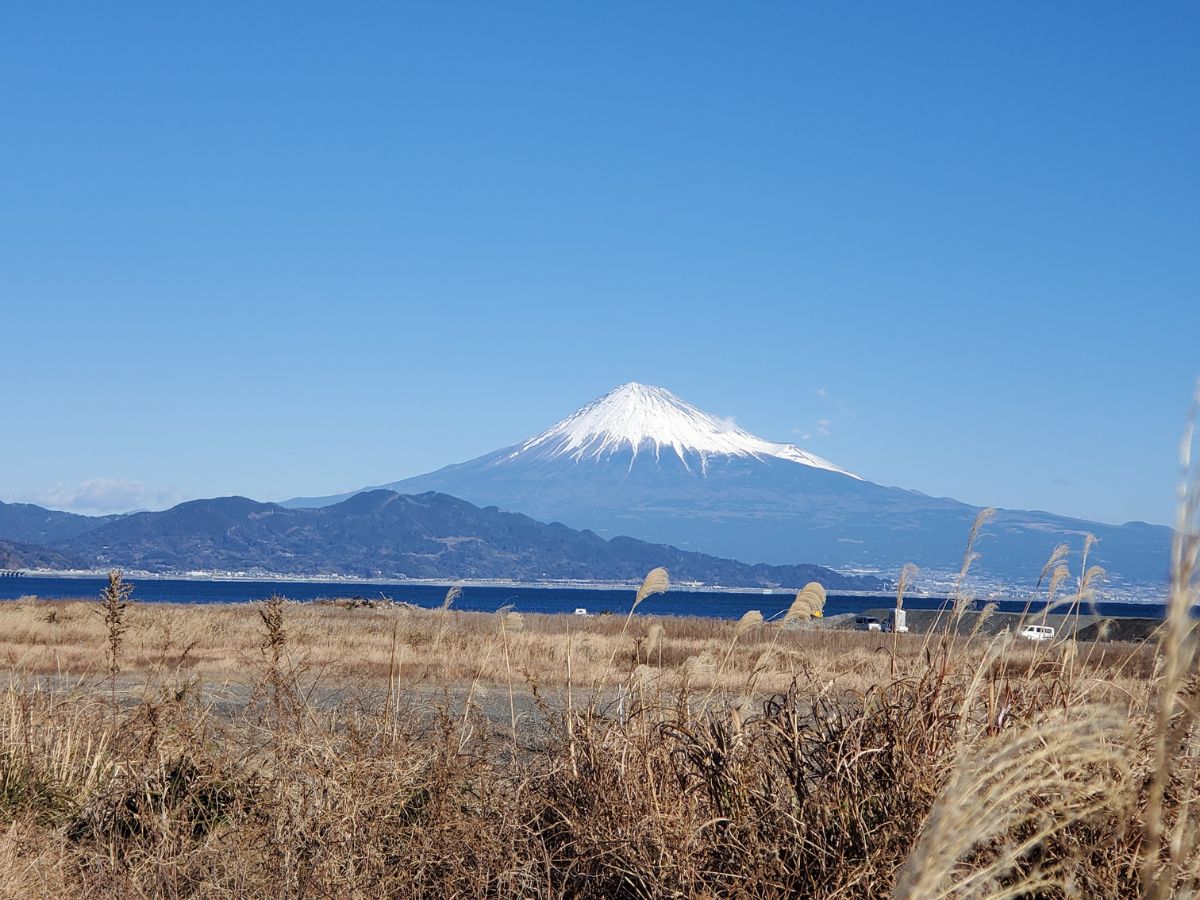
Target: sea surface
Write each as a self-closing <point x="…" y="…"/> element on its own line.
<point x="480" y="598"/>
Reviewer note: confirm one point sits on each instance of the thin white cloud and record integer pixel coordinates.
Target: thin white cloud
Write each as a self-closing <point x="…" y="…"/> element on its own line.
<point x="726" y="423"/>
<point x="103" y="495"/>
<point x="823" y="427"/>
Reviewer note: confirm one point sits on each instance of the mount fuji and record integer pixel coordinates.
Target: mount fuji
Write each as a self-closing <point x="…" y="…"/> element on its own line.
<point x="640" y="461"/>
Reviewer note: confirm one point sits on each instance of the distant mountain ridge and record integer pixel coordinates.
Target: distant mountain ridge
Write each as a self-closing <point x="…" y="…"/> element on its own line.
<point x="15" y="555"/>
<point x="30" y="524"/>
<point x="385" y="534"/>
<point x="640" y="461"/>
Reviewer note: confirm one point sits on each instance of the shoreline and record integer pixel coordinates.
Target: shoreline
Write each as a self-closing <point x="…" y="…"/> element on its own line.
<point x="985" y="591"/>
<point x="563" y="584"/>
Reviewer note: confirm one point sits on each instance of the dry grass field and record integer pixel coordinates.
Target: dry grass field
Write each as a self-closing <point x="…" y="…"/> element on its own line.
<point x="289" y="750"/>
<point x="366" y="649"/>
<point x="314" y="750"/>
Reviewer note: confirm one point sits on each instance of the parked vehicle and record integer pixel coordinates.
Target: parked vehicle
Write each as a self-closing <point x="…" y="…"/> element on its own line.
<point x="1038" y="633"/>
<point x="867" y="623"/>
<point x="580" y="611"/>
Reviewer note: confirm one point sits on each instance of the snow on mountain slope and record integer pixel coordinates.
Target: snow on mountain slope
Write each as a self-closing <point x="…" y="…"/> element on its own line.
<point x="643" y="418"/>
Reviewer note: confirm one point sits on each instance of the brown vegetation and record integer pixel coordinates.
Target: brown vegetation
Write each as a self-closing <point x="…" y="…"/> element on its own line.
<point x="289" y="749"/>
<point x="363" y="649"/>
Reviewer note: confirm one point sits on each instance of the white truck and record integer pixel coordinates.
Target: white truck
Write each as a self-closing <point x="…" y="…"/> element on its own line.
<point x="1037" y="633"/>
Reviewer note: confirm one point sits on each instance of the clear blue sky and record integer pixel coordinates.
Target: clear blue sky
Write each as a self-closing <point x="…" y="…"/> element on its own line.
<point x="278" y="249"/>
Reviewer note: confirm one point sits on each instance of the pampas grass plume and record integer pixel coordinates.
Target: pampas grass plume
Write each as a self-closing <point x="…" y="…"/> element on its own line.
<point x="748" y="621"/>
<point x="656" y="582"/>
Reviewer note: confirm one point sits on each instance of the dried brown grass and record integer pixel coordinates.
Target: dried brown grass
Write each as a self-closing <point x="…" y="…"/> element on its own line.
<point x="371" y="648"/>
<point x="721" y="758"/>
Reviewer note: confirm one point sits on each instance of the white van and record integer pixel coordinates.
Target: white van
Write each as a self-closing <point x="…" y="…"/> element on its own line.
<point x="867" y="623"/>
<point x="1038" y="633"/>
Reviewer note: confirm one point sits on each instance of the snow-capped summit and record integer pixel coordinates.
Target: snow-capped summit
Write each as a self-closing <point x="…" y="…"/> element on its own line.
<point x="642" y="418"/>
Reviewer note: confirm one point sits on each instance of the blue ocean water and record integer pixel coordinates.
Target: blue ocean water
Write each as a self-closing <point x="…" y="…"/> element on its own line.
<point x="530" y="599"/>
